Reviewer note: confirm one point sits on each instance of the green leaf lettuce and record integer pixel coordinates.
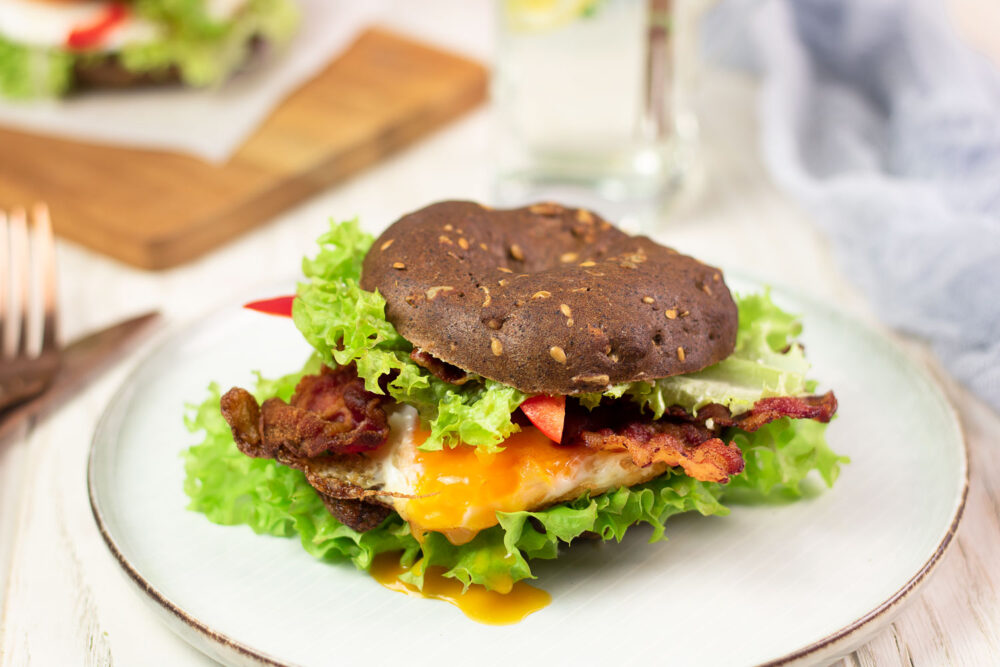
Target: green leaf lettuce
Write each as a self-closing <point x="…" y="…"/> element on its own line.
<point x="27" y="72"/>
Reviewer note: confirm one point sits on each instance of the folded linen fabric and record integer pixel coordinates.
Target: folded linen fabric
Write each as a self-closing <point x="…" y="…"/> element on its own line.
<point x="885" y="125"/>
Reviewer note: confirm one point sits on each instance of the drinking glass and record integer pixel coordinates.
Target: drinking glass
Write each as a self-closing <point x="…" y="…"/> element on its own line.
<point x="592" y="102"/>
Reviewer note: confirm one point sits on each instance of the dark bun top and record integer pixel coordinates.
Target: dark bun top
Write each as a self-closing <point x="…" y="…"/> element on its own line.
<point x="547" y="299"/>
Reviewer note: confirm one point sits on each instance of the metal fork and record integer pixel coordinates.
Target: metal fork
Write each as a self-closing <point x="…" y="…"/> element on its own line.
<point x="29" y="351"/>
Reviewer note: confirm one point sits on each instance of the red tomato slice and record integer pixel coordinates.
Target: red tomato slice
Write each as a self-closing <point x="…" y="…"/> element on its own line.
<point x="547" y="413"/>
<point x="93" y="35"/>
<point x="281" y="305"/>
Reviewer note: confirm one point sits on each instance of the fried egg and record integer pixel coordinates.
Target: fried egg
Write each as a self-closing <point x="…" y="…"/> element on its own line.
<point x="458" y="491"/>
<point x="49" y="23"/>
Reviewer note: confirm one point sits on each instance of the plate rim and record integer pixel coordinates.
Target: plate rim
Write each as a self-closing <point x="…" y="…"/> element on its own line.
<point x="207" y="632"/>
<point x="888" y="606"/>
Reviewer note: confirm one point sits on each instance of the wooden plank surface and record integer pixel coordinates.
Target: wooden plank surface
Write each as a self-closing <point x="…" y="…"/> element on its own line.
<point x="155" y="209"/>
<point x="955" y="620"/>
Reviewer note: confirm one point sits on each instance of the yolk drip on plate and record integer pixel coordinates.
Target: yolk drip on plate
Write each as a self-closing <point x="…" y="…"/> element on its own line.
<point x="476" y="602"/>
<point x="461" y="489"/>
<point x="458" y="492"/>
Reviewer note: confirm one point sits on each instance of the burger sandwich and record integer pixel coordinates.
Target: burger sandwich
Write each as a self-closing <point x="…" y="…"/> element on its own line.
<point x="50" y="47"/>
<point x="490" y="385"/>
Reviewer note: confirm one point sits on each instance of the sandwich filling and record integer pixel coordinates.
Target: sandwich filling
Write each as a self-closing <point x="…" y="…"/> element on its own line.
<point x="378" y="446"/>
<point x="362" y="453"/>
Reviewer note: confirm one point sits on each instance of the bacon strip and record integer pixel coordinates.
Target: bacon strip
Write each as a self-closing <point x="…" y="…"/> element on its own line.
<point x="360" y="515"/>
<point x="680" y="439"/>
<point x="709" y="460"/>
<point x="440" y="369"/>
<point x="766" y="410"/>
<point x="819" y="408"/>
<point x="692" y="446"/>
<point x="329" y="412"/>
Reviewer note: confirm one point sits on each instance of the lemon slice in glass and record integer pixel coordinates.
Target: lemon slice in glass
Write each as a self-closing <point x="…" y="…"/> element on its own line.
<point x="543" y="15"/>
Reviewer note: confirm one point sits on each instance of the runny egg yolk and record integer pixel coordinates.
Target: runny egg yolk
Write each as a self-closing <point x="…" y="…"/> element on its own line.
<point x="461" y="489"/>
<point x="479" y="604"/>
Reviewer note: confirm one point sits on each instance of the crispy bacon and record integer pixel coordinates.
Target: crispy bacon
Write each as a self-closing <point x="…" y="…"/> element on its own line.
<point x="710" y="460"/>
<point x="679" y="439"/>
<point x="329" y="416"/>
<point x="766" y="410"/>
<point x="440" y="369"/>
<point x="329" y="412"/>
<point x="691" y="446"/>
<point x="360" y="515"/>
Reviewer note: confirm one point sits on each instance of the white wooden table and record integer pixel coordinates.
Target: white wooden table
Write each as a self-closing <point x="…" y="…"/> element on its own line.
<point x="64" y="601"/>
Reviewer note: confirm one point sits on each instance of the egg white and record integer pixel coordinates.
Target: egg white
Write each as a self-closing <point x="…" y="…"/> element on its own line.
<point x="397" y="473"/>
<point x="395" y="470"/>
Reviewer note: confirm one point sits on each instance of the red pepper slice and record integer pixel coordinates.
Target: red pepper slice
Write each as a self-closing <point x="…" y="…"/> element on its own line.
<point x="547" y="413"/>
<point x="280" y="305"/>
<point x="91" y="36"/>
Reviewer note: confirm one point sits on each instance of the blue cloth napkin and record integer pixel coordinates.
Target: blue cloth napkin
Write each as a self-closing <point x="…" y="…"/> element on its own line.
<point x="886" y="127"/>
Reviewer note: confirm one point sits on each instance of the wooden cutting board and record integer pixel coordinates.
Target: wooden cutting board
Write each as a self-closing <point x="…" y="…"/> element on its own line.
<point x="155" y="210"/>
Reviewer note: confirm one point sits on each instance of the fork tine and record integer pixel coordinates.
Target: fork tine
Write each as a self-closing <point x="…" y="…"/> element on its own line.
<point x="20" y="276"/>
<point x="45" y="252"/>
<point x="5" y="270"/>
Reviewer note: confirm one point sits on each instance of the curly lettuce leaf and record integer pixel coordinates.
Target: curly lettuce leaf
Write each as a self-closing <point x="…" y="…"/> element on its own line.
<point x="346" y="324"/>
<point x="499" y="556"/>
<point x="230" y="488"/>
<point x="204" y="50"/>
<point x="765" y="362"/>
<point x="28" y="72"/>
<point x="779" y="458"/>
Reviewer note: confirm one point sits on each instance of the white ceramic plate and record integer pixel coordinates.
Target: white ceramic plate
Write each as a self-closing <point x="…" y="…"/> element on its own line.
<point x="806" y="581"/>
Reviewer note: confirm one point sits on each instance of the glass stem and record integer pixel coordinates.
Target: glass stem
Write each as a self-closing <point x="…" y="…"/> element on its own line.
<point x="657" y="117"/>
